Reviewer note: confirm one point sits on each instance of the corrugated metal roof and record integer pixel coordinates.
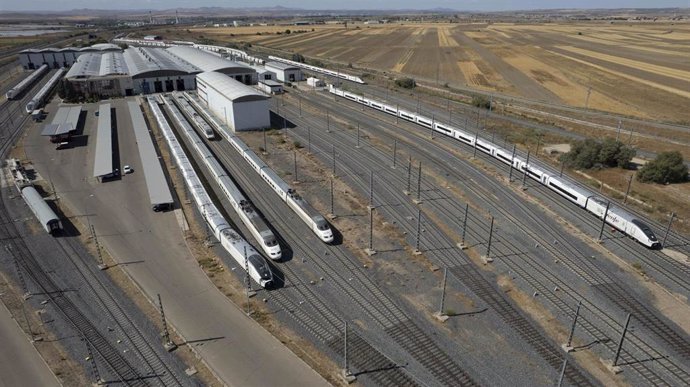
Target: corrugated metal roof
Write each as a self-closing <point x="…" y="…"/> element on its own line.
<point x="98" y="64"/>
<point x="67" y="117"/>
<point x="205" y="60"/>
<point x="157" y="185"/>
<point x="144" y="59"/>
<point x="103" y="163"/>
<point x="281" y="66"/>
<point x="230" y="88"/>
<point x="54" y="130"/>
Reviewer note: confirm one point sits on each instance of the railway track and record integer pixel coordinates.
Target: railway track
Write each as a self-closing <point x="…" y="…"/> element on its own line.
<point x="586" y="275"/>
<point x="121" y="368"/>
<point x="126" y="370"/>
<point x="157" y="367"/>
<point x="675" y="239"/>
<point x="327" y="328"/>
<point x="443" y="253"/>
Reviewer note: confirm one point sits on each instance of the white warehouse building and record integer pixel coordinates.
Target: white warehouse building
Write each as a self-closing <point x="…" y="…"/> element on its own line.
<point x="239" y="106"/>
<point x="285" y="72"/>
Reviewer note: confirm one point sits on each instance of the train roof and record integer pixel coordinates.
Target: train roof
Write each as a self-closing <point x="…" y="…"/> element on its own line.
<point x="276" y="179"/>
<point x="256" y="159"/>
<point x="42" y="210"/>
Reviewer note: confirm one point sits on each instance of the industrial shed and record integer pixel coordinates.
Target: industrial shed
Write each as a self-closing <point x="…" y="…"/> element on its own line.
<point x="156" y="70"/>
<point x="207" y="61"/>
<point x="33" y="58"/>
<point x="100" y="74"/>
<point x="239" y="106"/>
<point x="285" y="72"/>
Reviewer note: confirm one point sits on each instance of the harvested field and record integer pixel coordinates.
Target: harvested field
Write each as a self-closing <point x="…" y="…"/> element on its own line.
<point x="633" y="69"/>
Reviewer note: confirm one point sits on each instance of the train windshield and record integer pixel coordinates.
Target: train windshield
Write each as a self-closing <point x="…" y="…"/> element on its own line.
<point x="321" y="223"/>
<point x="260" y="266"/>
<point x="645" y="229"/>
<point x="270" y="242"/>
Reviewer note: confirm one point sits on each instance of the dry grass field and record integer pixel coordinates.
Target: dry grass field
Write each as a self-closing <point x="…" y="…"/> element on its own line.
<point x="633" y="69"/>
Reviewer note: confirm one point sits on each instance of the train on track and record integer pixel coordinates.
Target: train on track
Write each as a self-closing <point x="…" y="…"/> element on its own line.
<point x="17" y="90"/>
<point x="616" y="217"/>
<point x="309" y="215"/>
<point x="38" y="100"/>
<point x="239" y="249"/>
<point x="321" y="70"/>
<point x="243" y="207"/>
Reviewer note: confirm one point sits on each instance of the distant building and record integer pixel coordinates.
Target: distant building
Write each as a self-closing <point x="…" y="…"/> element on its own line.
<point x="33" y="58"/>
<point x="271" y="87"/>
<point x="285" y="72"/>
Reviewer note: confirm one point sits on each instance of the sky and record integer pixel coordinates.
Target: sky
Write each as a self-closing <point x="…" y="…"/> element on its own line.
<point x="461" y="5"/>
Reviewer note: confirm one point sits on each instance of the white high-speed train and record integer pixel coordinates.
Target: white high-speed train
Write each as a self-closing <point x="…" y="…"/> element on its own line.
<point x="19" y="87"/>
<point x="337" y="74"/>
<point x="243" y="207"/>
<point x="316" y="222"/>
<point x="617" y="217"/>
<point x="240" y="250"/>
<point x="37" y="101"/>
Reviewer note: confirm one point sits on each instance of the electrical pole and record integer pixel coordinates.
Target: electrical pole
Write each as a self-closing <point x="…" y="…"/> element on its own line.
<point x="627" y="191"/>
<point x="371" y="190"/>
<point x="357" y="135"/>
<point x="419" y="184"/>
<point x="441" y="315"/>
<point x="370" y="250"/>
<point x="395" y="152"/>
<point x="668" y="228"/>
<point x="409" y="175"/>
<point x="265" y="152"/>
<point x="620" y="343"/>
<point x="333" y="173"/>
<point x="347" y="375"/>
<point x="512" y="161"/>
<point x="331" y="215"/>
<point x="474" y="151"/>
<point x="167" y="343"/>
<point x="419" y="228"/>
<point x="487" y="258"/>
<point x="568" y="345"/>
<point x="524" y="175"/>
<point x="294" y="155"/>
<point x="603" y="221"/>
<point x="462" y="245"/>
<point x="309" y="139"/>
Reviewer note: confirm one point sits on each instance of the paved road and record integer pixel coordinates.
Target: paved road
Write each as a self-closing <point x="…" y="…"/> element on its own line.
<point x="152" y="248"/>
<point x="20" y="363"/>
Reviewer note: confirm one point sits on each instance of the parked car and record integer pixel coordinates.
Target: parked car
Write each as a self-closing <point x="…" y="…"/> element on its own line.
<point x="127" y="169"/>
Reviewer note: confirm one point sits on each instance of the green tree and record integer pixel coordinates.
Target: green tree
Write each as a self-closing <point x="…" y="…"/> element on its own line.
<point x="297" y="57"/>
<point x="667" y="167"/>
<point x="481" y="101"/>
<point x="615" y="154"/>
<point x="406" y="83"/>
<point x="591" y="153"/>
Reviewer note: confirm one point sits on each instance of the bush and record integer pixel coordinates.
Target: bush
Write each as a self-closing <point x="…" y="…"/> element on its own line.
<point x="481" y="101"/>
<point x="590" y="153"/>
<point x="667" y="167"/>
<point x="405" y="83"/>
<point x="288" y="31"/>
<point x="297" y="57"/>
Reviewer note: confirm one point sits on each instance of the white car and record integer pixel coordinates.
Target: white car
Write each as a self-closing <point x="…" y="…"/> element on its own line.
<point x="127" y="169"/>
